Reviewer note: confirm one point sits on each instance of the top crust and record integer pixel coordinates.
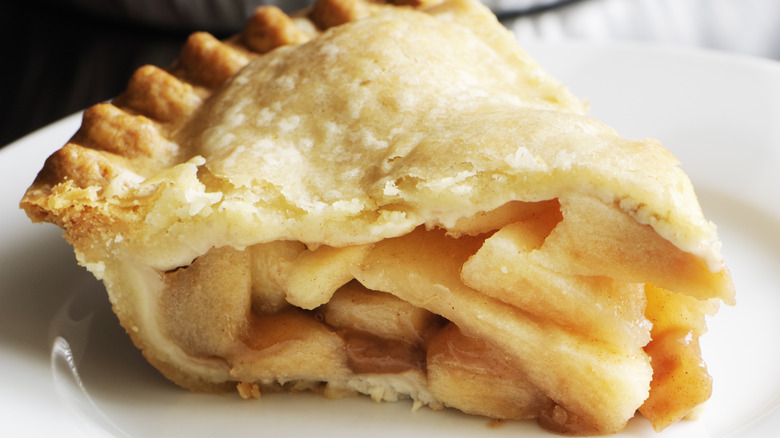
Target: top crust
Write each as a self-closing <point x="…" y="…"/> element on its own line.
<point x="407" y="116"/>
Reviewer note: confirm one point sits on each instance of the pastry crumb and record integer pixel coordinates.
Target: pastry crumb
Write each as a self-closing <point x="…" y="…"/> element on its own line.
<point x="248" y="390"/>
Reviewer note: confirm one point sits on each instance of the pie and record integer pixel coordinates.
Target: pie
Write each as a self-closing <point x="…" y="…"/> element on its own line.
<point x="392" y="200"/>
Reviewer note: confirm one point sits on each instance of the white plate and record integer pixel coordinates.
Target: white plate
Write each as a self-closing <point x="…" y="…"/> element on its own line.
<point x="718" y="113"/>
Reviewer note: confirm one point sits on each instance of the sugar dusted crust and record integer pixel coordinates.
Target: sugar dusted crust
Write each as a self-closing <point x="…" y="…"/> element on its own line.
<point x="391" y="200"/>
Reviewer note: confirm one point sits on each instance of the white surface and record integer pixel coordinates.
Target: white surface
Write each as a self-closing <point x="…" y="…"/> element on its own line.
<point x="743" y="26"/>
<point x="717" y="113"/>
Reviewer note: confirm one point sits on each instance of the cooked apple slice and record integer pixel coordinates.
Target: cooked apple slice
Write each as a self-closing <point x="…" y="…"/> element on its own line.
<point x="596" y="386"/>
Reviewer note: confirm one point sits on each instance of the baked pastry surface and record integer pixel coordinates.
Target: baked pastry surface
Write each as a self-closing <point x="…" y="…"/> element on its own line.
<point x="393" y="200"/>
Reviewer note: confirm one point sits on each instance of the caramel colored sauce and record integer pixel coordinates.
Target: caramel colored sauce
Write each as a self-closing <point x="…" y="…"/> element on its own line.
<point x="480" y="379"/>
<point x="680" y="378"/>
<point x="369" y="354"/>
<point x="272" y="331"/>
<point x="452" y="345"/>
<point x="364" y="353"/>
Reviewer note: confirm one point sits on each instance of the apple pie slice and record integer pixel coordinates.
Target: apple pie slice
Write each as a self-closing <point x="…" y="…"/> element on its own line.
<point x="391" y="200"/>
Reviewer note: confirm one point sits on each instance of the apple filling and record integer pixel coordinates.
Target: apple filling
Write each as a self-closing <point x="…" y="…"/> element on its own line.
<point x="504" y="315"/>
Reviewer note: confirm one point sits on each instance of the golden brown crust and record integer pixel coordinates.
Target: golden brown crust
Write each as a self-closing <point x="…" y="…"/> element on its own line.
<point x="207" y="61"/>
<point x="81" y="166"/>
<point x="269" y="28"/>
<point x="126" y="127"/>
<point x="159" y="95"/>
<point x="107" y="128"/>
<point x="329" y="13"/>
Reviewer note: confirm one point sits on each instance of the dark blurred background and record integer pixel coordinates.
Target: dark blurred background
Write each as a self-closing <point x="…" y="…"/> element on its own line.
<point x="57" y="60"/>
<point x="60" y="56"/>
